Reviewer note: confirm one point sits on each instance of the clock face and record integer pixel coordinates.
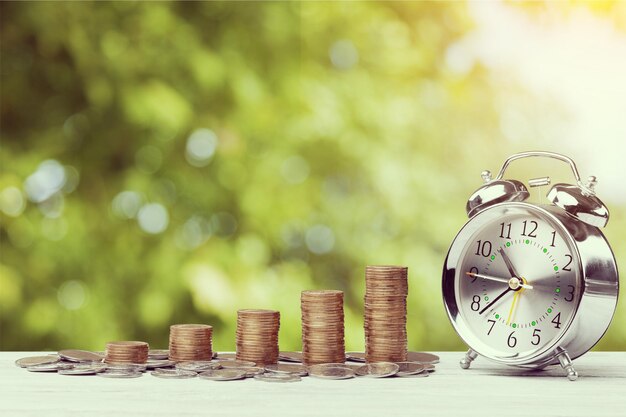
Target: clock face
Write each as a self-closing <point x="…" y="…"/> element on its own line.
<point x="517" y="284"/>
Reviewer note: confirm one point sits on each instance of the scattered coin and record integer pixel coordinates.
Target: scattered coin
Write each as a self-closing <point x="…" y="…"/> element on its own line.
<point x="332" y="372"/>
<point x="80" y="369"/>
<point x="257" y="336"/>
<point x="420" y="375"/>
<point x="159" y="354"/>
<point x="198" y="366"/>
<point x="251" y="371"/>
<point x="321" y="366"/>
<point x="378" y="369"/>
<point x="37" y="360"/>
<point x="287" y="368"/>
<point x="158" y="363"/>
<point x="274" y="377"/>
<point x="74" y="355"/>
<point x="295" y="357"/>
<point x="355" y="356"/>
<point x="223" y="374"/>
<point x="173" y="373"/>
<point x="422" y="357"/>
<point x="322" y="326"/>
<point x="225" y="356"/>
<point x="50" y="367"/>
<point x="111" y="373"/>
<point x="409" y="368"/>
<point x="429" y="367"/>
<point x="234" y="363"/>
<point x="127" y="367"/>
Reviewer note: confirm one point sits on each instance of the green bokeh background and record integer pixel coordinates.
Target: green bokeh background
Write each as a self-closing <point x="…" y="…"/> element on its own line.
<point x="342" y="140"/>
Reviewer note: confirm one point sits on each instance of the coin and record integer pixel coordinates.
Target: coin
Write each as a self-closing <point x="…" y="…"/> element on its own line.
<point x="251" y="371"/>
<point x="274" y="377"/>
<point x="126" y="351"/>
<point x="127" y="367"/>
<point x="409" y="368"/>
<point x="223" y="374"/>
<point x="429" y="367"/>
<point x="159" y="354"/>
<point x="74" y="355"/>
<point x="386" y="290"/>
<point x="225" y="356"/>
<point x="190" y="342"/>
<point x="355" y="356"/>
<point x="155" y="363"/>
<point x="198" y="366"/>
<point x="322" y="326"/>
<point x="87" y="369"/>
<point x="49" y="367"/>
<point x="111" y="373"/>
<point x="257" y="335"/>
<point x="295" y="357"/>
<point x="284" y="368"/>
<point x="37" y="360"/>
<point x="234" y="363"/>
<point x="173" y="373"/>
<point x="332" y="372"/>
<point x="422" y="357"/>
<point x="378" y="370"/>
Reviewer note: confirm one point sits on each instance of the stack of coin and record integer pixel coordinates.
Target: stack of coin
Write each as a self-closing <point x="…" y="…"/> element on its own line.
<point x="126" y="352"/>
<point x="257" y="336"/>
<point x="386" y="289"/>
<point x="322" y="327"/>
<point x="190" y="342"/>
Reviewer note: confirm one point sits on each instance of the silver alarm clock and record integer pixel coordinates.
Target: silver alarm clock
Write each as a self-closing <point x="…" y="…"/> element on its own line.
<point x="531" y="285"/>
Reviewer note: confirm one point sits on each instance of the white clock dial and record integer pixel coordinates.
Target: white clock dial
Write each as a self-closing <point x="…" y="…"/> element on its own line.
<point x="517" y="285"/>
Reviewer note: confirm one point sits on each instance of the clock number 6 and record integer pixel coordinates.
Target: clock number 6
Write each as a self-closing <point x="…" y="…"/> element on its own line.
<point x="512" y="340"/>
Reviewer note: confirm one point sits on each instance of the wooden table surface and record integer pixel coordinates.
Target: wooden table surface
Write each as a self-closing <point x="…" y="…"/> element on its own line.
<point x="485" y="389"/>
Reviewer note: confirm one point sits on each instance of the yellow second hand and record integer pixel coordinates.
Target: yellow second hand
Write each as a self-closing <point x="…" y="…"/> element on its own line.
<point x="508" y="320"/>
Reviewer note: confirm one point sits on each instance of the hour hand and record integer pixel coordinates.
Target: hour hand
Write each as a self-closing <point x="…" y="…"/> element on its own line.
<point x="509" y="264"/>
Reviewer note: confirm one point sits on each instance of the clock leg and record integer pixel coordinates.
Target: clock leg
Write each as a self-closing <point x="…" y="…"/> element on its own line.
<point x="468" y="359"/>
<point x="566" y="363"/>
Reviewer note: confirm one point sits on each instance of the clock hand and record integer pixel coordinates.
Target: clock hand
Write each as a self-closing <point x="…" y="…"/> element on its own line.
<point x="514" y="282"/>
<point x="513" y="305"/>
<point x="509" y="264"/>
<point x="502" y="294"/>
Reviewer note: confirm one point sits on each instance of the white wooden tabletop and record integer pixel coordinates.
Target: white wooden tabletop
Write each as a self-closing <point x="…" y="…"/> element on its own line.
<point x="486" y="389"/>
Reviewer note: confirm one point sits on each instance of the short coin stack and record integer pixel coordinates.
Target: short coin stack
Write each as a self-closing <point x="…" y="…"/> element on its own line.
<point x="257" y="336"/>
<point x="322" y="327"/>
<point x="386" y="289"/>
<point x="126" y="352"/>
<point x="191" y="342"/>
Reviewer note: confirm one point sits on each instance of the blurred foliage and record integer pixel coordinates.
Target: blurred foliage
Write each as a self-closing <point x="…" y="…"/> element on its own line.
<point x="174" y="162"/>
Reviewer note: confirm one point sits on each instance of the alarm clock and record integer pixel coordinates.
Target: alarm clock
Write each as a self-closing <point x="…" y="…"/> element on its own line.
<point x="531" y="285"/>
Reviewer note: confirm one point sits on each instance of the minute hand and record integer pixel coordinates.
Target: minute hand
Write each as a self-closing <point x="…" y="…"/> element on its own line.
<point x="503" y="280"/>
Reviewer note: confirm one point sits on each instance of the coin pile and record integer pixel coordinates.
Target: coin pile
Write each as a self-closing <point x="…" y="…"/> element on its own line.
<point x="322" y="327"/>
<point x="257" y="336"/>
<point x="190" y="342"/>
<point x="386" y="289"/>
<point x="126" y="352"/>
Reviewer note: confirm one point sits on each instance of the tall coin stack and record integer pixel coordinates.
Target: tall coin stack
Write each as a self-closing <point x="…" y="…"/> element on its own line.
<point x="257" y="336"/>
<point x="191" y="342"/>
<point x="322" y="327"/>
<point x="126" y="352"/>
<point x="386" y="289"/>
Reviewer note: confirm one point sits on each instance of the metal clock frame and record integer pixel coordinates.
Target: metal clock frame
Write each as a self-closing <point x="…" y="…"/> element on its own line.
<point x="597" y="277"/>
